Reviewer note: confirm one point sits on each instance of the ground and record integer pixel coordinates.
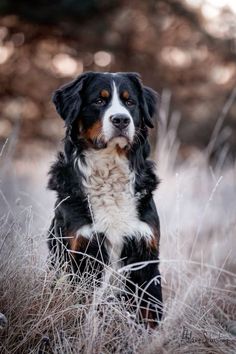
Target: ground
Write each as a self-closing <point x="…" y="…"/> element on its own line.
<point x="44" y="314"/>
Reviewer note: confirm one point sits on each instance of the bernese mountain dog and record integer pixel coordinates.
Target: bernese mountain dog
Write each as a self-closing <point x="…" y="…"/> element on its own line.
<point x="105" y="215"/>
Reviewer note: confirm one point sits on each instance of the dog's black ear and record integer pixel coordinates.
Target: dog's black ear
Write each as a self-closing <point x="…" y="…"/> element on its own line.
<point x="150" y="104"/>
<point x="148" y="101"/>
<point x="67" y="98"/>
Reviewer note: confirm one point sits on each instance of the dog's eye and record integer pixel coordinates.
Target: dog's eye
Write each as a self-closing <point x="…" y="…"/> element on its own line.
<point x="100" y="102"/>
<point x="130" y="103"/>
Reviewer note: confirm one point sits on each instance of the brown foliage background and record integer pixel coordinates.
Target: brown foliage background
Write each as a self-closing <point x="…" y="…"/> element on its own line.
<point x="175" y="45"/>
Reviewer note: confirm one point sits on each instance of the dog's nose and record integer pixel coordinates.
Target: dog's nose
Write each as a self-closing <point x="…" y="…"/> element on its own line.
<point x="120" y="121"/>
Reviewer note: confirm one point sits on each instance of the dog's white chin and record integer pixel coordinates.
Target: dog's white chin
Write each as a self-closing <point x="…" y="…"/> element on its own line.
<point x="120" y="141"/>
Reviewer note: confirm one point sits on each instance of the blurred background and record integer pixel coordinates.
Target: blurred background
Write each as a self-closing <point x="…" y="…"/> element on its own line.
<point x="185" y="49"/>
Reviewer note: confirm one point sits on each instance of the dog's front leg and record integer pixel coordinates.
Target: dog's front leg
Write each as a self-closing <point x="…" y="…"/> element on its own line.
<point x="143" y="282"/>
<point x="147" y="294"/>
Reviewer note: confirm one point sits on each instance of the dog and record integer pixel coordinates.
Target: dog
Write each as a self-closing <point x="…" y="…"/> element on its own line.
<point x="105" y="213"/>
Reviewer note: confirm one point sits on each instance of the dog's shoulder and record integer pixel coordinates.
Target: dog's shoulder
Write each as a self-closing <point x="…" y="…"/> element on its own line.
<point x="146" y="180"/>
<point x="62" y="177"/>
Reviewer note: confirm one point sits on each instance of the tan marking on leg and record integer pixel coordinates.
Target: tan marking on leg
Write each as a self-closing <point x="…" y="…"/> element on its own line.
<point x="77" y="243"/>
<point x="148" y="317"/>
<point x="154" y="242"/>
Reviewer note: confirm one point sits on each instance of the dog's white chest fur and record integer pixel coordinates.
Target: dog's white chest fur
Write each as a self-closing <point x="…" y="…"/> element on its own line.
<point x="109" y="184"/>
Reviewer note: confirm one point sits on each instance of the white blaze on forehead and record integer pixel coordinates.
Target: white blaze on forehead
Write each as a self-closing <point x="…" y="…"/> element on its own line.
<point x="116" y="107"/>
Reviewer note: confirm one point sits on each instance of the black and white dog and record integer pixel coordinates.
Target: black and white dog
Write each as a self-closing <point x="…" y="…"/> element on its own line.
<point x="105" y="211"/>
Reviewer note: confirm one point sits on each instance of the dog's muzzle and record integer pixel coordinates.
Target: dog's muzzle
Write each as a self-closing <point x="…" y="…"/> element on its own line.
<point x="120" y="124"/>
<point x="120" y="121"/>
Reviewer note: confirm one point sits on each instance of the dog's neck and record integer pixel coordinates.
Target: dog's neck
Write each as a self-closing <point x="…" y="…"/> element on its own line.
<point x="106" y="173"/>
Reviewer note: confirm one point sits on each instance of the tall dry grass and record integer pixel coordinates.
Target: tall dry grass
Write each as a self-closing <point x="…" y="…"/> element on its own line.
<point x="42" y="312"/>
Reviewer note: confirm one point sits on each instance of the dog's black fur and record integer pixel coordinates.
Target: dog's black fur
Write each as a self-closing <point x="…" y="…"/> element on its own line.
<point x="81" y="106"/>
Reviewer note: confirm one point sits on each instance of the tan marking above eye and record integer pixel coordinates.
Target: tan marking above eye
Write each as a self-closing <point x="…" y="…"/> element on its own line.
<point x="105" y="94"/>
<point x="125" y="94"/>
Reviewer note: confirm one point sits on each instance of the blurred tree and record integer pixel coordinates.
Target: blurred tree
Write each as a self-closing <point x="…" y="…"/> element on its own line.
<point x="54" y="11"/>
<point x="45" y="43"/>
<point x="224" y="46"/>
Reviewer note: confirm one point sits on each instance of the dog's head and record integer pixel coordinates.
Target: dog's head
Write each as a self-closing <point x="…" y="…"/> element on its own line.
<point x="106" y="108"/>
